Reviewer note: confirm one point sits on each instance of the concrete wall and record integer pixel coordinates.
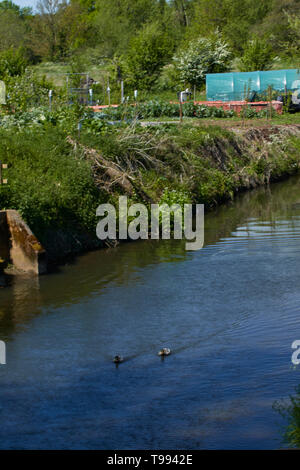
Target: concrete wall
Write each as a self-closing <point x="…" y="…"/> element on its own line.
<point x="19" y="246"/>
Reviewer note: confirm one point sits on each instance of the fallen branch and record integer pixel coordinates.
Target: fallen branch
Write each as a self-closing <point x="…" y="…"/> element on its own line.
<point x="112" y="172"/>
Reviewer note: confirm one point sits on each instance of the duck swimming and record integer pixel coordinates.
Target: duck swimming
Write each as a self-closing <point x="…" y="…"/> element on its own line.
<point x="118" y="359"/>
<point x="164" y="352"/>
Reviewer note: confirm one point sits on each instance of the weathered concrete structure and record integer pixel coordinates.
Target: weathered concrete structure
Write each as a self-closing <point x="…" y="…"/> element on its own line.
<point x="19" y="246"/>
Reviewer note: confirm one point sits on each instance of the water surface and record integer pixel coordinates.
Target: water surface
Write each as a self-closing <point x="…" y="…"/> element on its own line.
<point x="229" y="312"/>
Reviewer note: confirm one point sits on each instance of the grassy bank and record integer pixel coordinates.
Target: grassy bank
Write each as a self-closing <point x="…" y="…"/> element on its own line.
<point x="56" y="180"/>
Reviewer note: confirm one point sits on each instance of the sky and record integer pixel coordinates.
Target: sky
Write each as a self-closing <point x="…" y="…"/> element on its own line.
<point x="26" y="3"/>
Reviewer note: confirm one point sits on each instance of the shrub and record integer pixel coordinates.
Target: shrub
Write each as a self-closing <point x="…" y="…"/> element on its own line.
<point x="12" y="63"/>
<point x="26" y="91"/>
<point x="48" y="184"/>
<point x="200" y="57"/>
<point x="148" y="52"/>
<point x="258" y="55"/>
<point x="169" y="78"/>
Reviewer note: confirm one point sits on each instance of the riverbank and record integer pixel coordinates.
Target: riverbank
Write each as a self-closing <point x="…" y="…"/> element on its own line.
<point x="229" y="313"/>
<point x="57" y="180"/>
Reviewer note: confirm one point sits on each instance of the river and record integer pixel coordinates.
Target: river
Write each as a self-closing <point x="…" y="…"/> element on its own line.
<point x="229" y="312"/>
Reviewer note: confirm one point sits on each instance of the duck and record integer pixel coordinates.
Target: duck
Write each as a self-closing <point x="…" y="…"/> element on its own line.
<point x="164" y="352"/>
<point x="118" y="359"/>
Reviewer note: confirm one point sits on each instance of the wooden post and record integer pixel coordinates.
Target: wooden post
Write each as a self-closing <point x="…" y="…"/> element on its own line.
<point x="4" y="167"/>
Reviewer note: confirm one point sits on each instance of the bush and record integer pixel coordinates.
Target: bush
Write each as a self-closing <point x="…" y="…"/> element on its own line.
<point x="200" y="57"/>
<point x="148" y="52"/>
<point x="169" y="78"/>
<point x="47" y="183"/>
<point x="26" y="91"/>
<point x="12" y="63"/>
<point x="158" y="108"/>
<point x="258" y="55"/>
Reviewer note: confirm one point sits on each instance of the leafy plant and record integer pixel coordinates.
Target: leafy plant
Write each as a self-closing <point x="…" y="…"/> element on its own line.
<point x="13" y="62"/>
<point x="26" y="91"/>
<point x="148" y="52"/>
<point x="202" y="56"/>
<point x="258" y="55"/>
<point x="48" y="183"/>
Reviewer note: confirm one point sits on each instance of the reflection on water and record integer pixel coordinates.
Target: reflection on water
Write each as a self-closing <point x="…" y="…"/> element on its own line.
<point x="229" y="312"/>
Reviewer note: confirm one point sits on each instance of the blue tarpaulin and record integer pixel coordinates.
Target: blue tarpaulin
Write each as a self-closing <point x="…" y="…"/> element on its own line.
<point x="236" y="86"/>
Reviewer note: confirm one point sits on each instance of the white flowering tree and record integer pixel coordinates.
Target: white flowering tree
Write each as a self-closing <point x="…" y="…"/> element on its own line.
<point x="200" y="57"/>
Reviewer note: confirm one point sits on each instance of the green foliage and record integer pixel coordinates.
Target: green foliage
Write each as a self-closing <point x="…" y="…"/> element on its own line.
<point x="48" y="184"/>
<point x="234" y="19"/>
<point x="12" y="63"/>
<point x="66" y="118"/>
<point x="175" y="196"/>
<point x="8" y="5"/>
<point x="201" y="111"/>
<point x="147" y="53"/>
<point x="98" y="30"/>
<point x="114" y="23"/>
<point x="250" y="113"/>
<point x="52" y="184"/>
<point x="24" y="119"/>
<point x="275" y="27"/>
<point x="258" y="55"/>
<point x="158" y="108"/>
<point x="215" y="187"/>
<point x="291" y="45"/>
<point x="12" y="26"/>
<point x="291" y="412"/>
<point x="26" y="91"/>
<point x="202" y="56"/>
<point x="169" y="78"/>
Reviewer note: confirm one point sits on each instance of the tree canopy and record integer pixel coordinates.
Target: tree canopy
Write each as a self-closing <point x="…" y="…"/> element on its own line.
<point x="145" y="34"/>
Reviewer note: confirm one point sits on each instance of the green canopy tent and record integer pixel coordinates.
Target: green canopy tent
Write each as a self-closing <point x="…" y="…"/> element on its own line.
<point x="234" y="86"/>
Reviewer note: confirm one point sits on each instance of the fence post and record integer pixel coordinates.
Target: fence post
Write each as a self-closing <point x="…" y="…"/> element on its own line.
<point x="180" y="106"/>
<point x="4" y="167"/>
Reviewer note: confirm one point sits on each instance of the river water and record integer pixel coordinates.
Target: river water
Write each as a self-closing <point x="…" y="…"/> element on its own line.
<point x="229" y="312"/>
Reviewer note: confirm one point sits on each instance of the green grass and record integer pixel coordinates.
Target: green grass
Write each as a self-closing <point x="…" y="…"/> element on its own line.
<point x="47" y="182"/>
<point x="236" y="121"/>
<point x="54" y="186"/>
<point x="53" y="72"/>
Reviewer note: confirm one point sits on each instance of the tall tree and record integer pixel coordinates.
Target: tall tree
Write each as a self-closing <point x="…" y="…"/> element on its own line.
<point x="117" y="21"/>
<point x="183" y="8"/>
<point x="48" y="10"/>
<point x="233" y="18"/>
<point x="13" y="26"/>
<point x="148" y="52"/>
<point x="56" y="28"/>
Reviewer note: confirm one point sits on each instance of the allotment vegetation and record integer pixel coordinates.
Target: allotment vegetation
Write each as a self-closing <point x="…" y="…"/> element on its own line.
<point x="155" y="46"/>
<point x="64" y="159"/>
